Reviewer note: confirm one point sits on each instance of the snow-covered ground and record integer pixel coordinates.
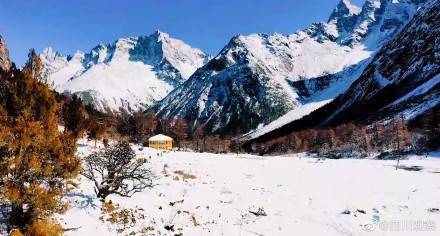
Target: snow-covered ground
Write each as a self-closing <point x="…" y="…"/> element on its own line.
<point x="296" y="193"/>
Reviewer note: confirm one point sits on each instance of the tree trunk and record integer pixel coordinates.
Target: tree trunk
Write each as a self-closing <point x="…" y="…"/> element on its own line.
<point x="18" y="217"/>
<point x="102" y="194"/>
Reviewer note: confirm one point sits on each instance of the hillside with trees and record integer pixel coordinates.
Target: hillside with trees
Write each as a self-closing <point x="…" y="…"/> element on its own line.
<point x="401" y="82"/>
<point x="38" y="162"/>
<point x="331" y="130"/>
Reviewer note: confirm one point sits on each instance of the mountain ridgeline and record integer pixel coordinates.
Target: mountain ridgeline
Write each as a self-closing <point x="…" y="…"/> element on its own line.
<point x="402" y="81"/>
<point x="367" y="61"/>
<point x="129" y="74"/>
<point x="258" y="78"/>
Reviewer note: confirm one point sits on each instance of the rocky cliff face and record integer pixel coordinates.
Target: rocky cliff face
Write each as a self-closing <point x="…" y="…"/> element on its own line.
<point x="5" y="62"/>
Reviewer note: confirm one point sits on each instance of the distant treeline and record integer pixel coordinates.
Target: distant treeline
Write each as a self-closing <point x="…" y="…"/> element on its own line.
<point x="138" y="127"/>
<point x="355" y="140"/>
<point x="351" y="140"/>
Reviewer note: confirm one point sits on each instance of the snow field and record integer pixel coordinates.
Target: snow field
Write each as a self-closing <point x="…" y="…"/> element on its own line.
<point x="296" y="193"/>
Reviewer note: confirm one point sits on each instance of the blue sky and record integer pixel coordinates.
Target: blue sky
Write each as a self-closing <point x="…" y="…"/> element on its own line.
<point x="206" y="24"/>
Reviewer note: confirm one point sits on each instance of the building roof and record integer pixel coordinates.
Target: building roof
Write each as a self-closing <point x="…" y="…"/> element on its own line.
<point x="160" y="137"/>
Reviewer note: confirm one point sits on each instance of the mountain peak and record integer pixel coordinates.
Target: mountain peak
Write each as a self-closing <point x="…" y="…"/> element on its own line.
<point x="343" y="9"/>
<point x="48" y="51"/>
<point x="131" y="73"/>
<point x="159" y="35"/>
<point x="50" y="54"/>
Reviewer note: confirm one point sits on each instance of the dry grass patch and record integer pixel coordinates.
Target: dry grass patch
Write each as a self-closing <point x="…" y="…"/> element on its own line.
<point x="185" y="175"/>
<point x="123" y="219"/>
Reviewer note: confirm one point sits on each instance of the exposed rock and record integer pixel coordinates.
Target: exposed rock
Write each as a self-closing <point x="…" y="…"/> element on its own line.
<point x="5" y="62"/>
<point x="434" y="210"/>
<point x="346" y="212"/>
<point x="131" y="73"/>
<point x="403" y="79"/>
<point x="257" y="79"/>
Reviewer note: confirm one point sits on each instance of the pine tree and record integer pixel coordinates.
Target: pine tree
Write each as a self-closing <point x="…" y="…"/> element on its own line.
<point x="74" y="115"/>
<point x="37" y="160"/>
<point x="96" y="129"/>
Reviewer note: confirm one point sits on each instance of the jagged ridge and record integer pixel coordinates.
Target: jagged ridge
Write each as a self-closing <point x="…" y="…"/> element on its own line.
<point x="402" y="80"/>
<point x="131" y="73"/>
<point x="258" y="78"/>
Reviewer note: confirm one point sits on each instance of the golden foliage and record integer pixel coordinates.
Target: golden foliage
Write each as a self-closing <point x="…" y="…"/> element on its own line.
<point x="108" y="207"/>
<point x="15" y="232"/>
<point x="45" y="228"/>
<point x="121" y="218"/>
<point x="37" y="159"/>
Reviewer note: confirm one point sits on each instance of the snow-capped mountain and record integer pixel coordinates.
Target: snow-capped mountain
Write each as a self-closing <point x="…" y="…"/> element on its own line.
<point x="258" y="78"/>
<point x="131" y="73"/>
<point x="404" y="77"/>
<point x="403" y="80"/>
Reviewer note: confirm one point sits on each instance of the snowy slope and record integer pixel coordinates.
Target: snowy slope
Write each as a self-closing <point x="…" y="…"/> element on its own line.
<point x="403" y="75"/>
<point x="290" y="116"/>
<point x="420" y="100"/>
<point x="401" y="79"/>
<point x="131" y="73"/>
<point x="256" y="79"/>
<point x="312" y="101"/>
<point x="300" y="196"/>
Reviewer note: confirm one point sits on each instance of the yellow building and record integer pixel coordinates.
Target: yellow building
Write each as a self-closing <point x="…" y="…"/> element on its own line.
<point x="160" y="141"/>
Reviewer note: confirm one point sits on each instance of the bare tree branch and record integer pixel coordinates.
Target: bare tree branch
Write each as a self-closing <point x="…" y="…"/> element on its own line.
<point x="115" y="170"/>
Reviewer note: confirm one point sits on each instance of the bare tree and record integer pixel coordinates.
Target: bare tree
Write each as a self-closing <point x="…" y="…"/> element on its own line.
<point x="114" y="170"/>
<point x="180" y="131"/>
<point x="200" y="137"/>
<point x="235" y="146"/>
